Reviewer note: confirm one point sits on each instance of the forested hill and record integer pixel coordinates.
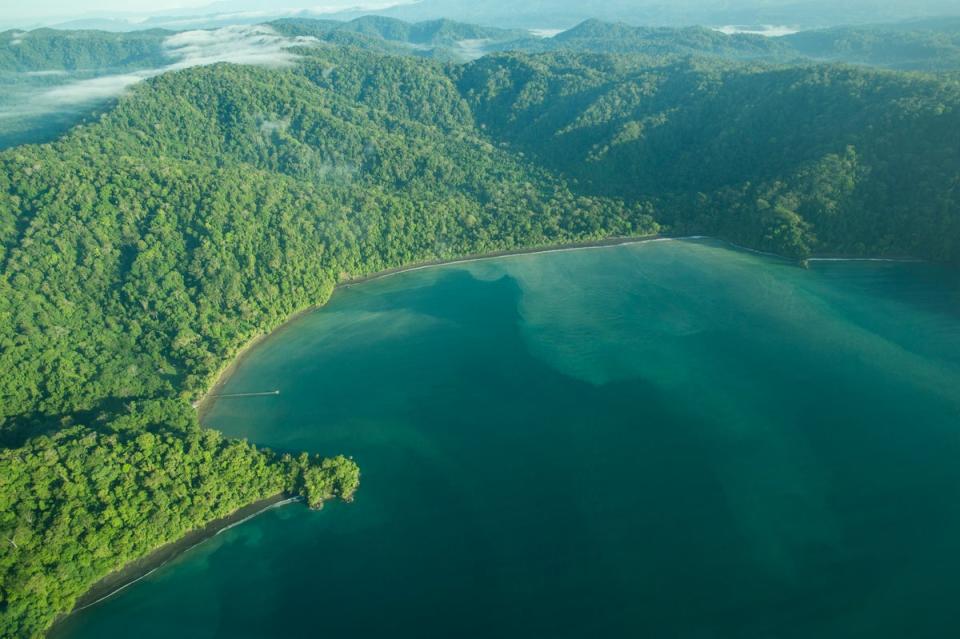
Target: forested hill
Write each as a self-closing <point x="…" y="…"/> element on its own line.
<point x="432" y="33"/>
<point x="788" y="159"/>
<point x="932" y="45"/>
<point x="49" y="50"/>
<point x="917" y="46"/>
<point x="139" y="252"/>
<point x="213" y="203"/>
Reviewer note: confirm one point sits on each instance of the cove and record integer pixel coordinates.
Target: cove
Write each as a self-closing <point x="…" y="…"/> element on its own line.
<point x="668" y="439"/>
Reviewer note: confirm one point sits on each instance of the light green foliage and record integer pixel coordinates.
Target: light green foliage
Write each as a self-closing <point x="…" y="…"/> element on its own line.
<point x="141" y="252"/>
<point x="81" y="502"/>
<point x="329" y="478"/>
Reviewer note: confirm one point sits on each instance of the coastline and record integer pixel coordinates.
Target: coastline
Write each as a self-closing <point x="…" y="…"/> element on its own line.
<point x="208" y="400"/>
<point x="137" y="569"/>
<point x="140" y="568"/>
<point x="534" y="250"/>
<point x="209" y="397"/>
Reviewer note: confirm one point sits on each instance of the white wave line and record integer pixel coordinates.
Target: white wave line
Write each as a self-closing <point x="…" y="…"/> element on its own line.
<point x="259" y="512"/>
<point x="897" y="260"/>
<point x="285" y="502"/>
<point x="736" y="246"/>
<point x="559" y="249"/>
<point x="123" y="587"/>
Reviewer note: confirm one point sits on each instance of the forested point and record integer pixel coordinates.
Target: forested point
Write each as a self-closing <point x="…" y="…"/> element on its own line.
<point x="82" y="502"/>
<point x="141" y="251"/>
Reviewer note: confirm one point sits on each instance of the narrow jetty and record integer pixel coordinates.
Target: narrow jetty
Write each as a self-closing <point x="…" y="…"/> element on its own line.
<point x="230" y="395"/>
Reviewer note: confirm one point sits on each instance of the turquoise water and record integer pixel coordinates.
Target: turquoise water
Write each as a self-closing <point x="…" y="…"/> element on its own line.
<point x="671" y="439"/>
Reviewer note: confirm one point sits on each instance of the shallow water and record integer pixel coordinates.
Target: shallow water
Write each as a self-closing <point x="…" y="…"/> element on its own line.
<point x="671" y="439"/>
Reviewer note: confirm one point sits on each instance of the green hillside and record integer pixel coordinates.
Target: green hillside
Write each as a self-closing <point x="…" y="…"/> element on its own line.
<point x="788" y="159"/>
<point x="141" y="252"/>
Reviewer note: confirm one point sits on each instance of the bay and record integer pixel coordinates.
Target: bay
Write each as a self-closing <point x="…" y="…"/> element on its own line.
<point x="667" y="439"/>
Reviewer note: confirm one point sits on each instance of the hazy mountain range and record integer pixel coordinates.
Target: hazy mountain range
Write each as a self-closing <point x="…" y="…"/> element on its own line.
<point x="534" y="14"/>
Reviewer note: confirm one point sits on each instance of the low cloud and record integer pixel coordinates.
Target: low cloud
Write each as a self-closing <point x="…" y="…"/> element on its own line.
<point x="472" y="49"/>
<point x="269" y="127"/>
<point x="40" y="74"/>
<point x="257" y="45"/>
<point x="545" y="33"/>
<point x="769" y="30"/>
<point x="254" y="45"/>
<point x="72" y="96"/>
<point x="91" y="90"/>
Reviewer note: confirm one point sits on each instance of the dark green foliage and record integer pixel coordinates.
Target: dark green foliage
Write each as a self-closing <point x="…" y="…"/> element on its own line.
<point x="54" y="50"/>
<point x="920" y="46"/>
<point x="33" y="63"/>
<point x="793" y="160"/>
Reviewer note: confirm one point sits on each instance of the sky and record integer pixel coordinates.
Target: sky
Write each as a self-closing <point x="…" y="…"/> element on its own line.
<point x="44" y="8"/>
<point x="15" y="10"/>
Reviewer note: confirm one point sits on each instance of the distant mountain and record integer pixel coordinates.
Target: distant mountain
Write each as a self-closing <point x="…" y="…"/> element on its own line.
<point x="912" y="45"/>
<point x="605" y="37"/>
<point x="566" y="13"/>
<point x="531" y="14"/>
<point x="433" y="33"/>
<point x="929" y="45"/>
<point x="51" y="49"/>
<point x="916" y="45"/>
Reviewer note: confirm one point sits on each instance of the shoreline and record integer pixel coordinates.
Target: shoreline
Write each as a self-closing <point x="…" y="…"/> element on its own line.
<point x="138" y="569"/>
<point x="209" y="398"/>
<point x="536" y="250"/>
